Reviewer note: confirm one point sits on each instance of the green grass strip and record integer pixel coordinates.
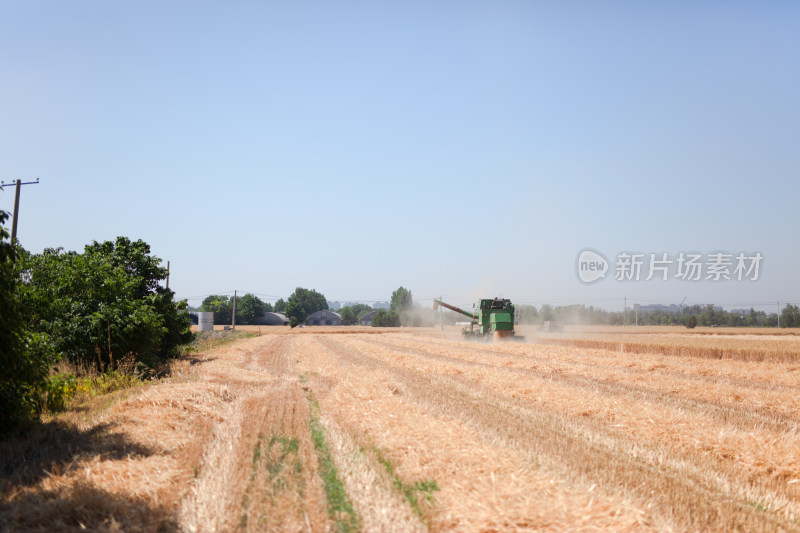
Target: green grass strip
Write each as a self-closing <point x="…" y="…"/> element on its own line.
<point x="425" y="488"/>
<point x="339" y="507"/>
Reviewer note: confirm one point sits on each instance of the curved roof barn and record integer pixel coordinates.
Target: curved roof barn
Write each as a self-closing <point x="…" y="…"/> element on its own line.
<point x="324" y="318"/>
<point x="366" y="320"/>
<point x="273" y="319"/>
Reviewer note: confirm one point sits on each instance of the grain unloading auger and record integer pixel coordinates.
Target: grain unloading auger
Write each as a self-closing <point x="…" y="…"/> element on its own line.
<point x="494" y="318"/>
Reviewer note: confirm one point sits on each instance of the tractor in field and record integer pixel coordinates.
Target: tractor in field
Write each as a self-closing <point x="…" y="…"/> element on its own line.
<point x="492" y="319"/>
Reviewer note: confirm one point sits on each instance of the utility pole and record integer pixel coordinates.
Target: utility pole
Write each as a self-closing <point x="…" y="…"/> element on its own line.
<point x="234" y="311"/>
<point x="19" y="185"/>
<point x="779" y="314"/>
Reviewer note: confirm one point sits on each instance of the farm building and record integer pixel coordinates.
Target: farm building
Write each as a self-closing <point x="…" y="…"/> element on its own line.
<point x="272" y="319"/>
<point x="366" y="320"/>
<point x="324" y="318"/>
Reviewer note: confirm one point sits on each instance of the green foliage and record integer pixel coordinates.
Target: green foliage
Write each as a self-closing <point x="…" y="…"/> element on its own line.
<point x="340" y="509"/>
<point x="280" y="306"/>
<point x="348" y="317"/>
<point x="691" y="322"/>
<point x="106" y="383"/>
<point x="360" y="310"/>
<point x="103" y="304"/>
<point x="24" y="356"/>
<point x="92" y="308"/>
<point x="249" y="308"/>
<point x="302" y="303"/>
<point x="424" y="488"/>
<point x="401" y="301"/>
<point x="60" y="389"/>
<point x="706" y="315"/>
<point x="143" y="271"/>
<point x="221" y="306"/>
<point x="790" y="316"/>
<point x="752" y="318"/>
<point x="710" y="316"/>
<point x="386" y="319"/>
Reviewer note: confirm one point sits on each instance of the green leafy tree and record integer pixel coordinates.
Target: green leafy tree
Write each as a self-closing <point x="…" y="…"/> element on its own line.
<point x="348" y="317"/>
<point x="302" y="303"/>
<point x="248" y="308"/>
<point x="221" y="306"/>
<point x="143" y="271"/>
<point x="24" y="358"/>
<point x="103" y="304"/>
<point x="401" y="301"/>
<point x="691" y="322"/>
<point x="790" y="316"/>
<point x="386" y="319"/>
<point x="402" y="304"/>
<point x="280" y="306"/>
<point x="708" y="316"/>
<point x="360" y="310"/>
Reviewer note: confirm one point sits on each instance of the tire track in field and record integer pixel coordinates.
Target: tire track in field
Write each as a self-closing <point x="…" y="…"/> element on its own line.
<point x="259" y="470"/>
<point x="752" y="354"/>
<point x="509" y="350"/>
<point x="379" y="505"/>
<point x="682" y="499"/>
<point x="284" y="492"/>
<point x="486" y="485"/>
<point x="272" y="356"/>
<point x="279" y="487"/>
<point x="783" y="420"/>
<point x="746" y="419"/>
<point x="766" y="480"/>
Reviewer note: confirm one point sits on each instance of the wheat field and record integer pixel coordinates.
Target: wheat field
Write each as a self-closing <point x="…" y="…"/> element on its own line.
<point x="368" y="429"/>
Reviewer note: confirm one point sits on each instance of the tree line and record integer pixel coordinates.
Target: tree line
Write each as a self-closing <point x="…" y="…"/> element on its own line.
<point x="249" y="308"/>
<point x="302" y="303"/>
<point x="692" y="315"/>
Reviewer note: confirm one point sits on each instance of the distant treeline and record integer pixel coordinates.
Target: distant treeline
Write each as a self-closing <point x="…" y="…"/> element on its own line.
<point x="703" y="315"/>
<point x="249" y="308"/>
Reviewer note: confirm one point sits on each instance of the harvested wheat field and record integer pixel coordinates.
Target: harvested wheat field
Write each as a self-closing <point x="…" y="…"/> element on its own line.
<point x="367" y="429"/>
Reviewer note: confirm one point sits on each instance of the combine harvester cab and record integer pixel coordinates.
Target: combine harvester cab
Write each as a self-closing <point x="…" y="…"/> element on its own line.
<point x="494" y="319"/>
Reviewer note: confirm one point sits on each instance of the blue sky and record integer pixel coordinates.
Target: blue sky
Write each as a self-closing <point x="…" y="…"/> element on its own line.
<point x="463" y="149"/>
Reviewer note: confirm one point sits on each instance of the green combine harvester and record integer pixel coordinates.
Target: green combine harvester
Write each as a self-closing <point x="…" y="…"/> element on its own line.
<point x="494" y="319"/>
